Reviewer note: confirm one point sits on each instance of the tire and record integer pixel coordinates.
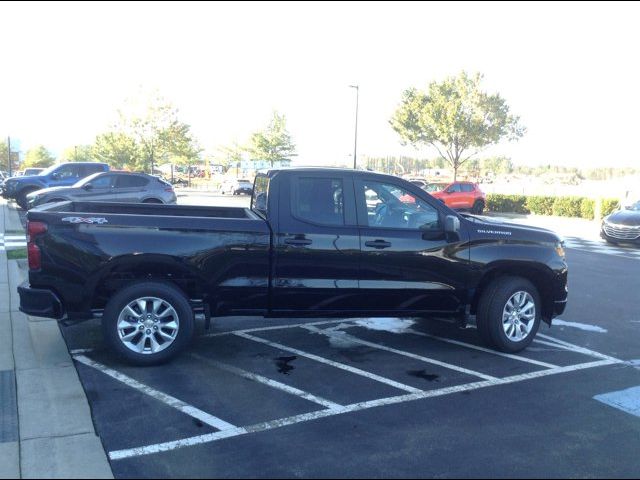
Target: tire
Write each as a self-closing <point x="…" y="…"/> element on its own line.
<point x="166" y="307"/>
<point x="21" y="198"/>
<point x="478" y="207"/>
<point x="496" y="326"/>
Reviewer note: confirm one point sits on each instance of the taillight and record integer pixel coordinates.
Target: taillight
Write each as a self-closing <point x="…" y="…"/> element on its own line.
<point x="169" y="189"/>
<point x="34" y="229"/>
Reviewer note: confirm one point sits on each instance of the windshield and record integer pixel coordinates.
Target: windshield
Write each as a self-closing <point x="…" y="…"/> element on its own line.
<point x="85" y="180"/>
<point x="634" y="206"/>
<point x="434" y="187"/>
<point x="47" y="171"/>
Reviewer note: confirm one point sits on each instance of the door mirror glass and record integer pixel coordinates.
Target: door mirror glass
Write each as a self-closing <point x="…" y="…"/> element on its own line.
<point x="87" y="186"/>
<point x="451" y="224"/>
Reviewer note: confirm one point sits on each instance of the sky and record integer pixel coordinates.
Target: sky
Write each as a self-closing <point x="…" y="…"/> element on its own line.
<point x="569" y="70"/>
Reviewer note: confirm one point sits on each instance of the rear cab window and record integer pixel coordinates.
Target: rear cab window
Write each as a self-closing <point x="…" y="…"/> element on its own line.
<point x="260" y="196"/>
<point x="318" y="200"/>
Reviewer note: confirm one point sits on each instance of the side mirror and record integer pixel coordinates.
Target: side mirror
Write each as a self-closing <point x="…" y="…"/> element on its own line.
<point x="87" y="186"/>
<point x="55" y="175"/>
<point x="451" y="224"/>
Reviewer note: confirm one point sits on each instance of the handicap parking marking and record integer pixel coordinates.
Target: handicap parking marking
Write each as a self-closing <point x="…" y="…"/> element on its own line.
<point x="306" y="417"/>
<point x="330" y="408"/>
<point x="401" y="352"/>
<point x="183" y="407"/>
<point x="267" y="381"/>
<point x="341" y="366"/>
<point x="627" y="400"/>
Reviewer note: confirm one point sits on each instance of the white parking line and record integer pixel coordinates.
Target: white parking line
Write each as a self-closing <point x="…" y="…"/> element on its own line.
<point x="212" y="437"/>
<point x="326" y="361"/>
<point x="162" y="397"/>
<point x="486" y="350"/>
<point x="404" y="353"/>
<point x="577" y="348"/>
<point x="267" y="381"/>
<point x="274" y="327"/>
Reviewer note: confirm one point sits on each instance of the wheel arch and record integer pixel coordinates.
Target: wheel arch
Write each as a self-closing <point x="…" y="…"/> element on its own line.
<point x="539" y="275"/>
<point x="127" y="269"/>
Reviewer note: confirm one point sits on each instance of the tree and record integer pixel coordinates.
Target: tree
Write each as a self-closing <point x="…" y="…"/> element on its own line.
<point x="273" y="143"/>
<point x="455" y="117"/>
<point x="153" y="122"/>
<point x="77" y="153"/>
<point x="117" y="149"/>
<point x="38" y="157"/>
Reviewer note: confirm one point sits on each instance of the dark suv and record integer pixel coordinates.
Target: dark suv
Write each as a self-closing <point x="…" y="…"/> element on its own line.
<point x="64" y="175"/>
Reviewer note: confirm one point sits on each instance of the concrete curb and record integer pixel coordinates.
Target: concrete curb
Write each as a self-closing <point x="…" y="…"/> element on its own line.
<point x="55" y="436"/>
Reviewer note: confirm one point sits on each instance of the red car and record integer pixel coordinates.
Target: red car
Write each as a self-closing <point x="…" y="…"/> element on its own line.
<point x="462" y="195"/>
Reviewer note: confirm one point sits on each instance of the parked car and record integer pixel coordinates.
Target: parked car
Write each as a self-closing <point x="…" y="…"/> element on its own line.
<point x="622" y="226"/>
<point x="463" y="195"/>
<point x="64" y="175"/>
<point x="108" y="187"/>
<point x="236" y="187"/>
<point x="308" y="247"/>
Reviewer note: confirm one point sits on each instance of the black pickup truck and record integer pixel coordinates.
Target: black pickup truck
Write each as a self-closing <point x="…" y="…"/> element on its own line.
<point x="315" y="243"/>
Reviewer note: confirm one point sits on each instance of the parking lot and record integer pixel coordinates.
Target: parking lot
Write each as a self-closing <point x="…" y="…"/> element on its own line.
<point x="389" y="397"/>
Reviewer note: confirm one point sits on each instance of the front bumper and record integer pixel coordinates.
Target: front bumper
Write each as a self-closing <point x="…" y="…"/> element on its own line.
<point x="619" y="238"/>
<point x="39" y="302"/>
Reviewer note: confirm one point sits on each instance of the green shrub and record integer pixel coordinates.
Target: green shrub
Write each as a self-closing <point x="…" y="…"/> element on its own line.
<point x="581" y="207"/>
<point x="497" y="202"/>
<point x="540" y="205"/>
<point x="609" y="205"/>
<point x="587" y="207"/>
<point x="567" y="206"/>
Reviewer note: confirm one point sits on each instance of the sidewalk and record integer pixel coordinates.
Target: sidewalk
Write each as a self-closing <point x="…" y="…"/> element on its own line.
<point x="46" y="429"/>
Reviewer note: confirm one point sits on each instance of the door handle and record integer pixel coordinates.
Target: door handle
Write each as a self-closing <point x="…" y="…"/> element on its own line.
<point x="378" y="244"/>
<point x="298" y="241"/>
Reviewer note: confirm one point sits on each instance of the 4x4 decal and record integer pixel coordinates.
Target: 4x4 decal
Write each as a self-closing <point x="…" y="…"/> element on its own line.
<point x="98" y="220"/>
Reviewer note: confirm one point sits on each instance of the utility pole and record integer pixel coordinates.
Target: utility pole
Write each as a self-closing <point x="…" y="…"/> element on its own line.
<point x="355" y="142"/>
<point x="9" y="153"/>
<point x="75" y="156"/>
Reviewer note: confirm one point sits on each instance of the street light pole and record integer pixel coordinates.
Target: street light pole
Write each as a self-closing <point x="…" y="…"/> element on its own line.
<point x="355" y="142"/>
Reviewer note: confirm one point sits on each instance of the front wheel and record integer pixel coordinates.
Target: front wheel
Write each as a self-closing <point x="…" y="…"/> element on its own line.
<point x="21" y="198"/>
<point x="148" y="323"/>
<point x="508" y="314"/>
<point x="478" y="207"/>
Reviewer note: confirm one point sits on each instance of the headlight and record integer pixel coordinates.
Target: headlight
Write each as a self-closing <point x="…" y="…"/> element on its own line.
<point x="560" y="249"/>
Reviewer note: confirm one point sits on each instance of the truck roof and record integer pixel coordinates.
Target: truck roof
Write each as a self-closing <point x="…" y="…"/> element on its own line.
<point x="272" y="171"/>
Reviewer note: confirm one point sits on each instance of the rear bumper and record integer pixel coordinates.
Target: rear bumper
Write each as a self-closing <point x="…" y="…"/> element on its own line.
<point x="39" y="302"/>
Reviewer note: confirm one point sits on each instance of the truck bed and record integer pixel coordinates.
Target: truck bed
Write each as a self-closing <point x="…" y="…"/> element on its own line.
<point x="147" y="209"/>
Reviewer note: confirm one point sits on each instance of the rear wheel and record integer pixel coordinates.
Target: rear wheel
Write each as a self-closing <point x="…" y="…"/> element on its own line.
<point x="508" y="314"/>
<point x="148" y="323"/>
